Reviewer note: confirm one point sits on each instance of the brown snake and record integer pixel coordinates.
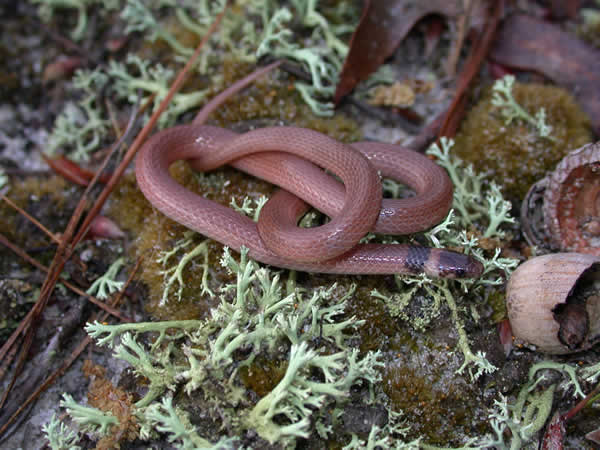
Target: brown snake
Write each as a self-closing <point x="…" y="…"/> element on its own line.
<point x="292" y="158"/>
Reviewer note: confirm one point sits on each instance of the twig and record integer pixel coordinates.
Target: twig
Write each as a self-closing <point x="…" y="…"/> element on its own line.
<point x="581" y="404"/>
<point x="223" y="96"/>
<point x="55" y="268"/>
<point x="74" y="355"/>
<point x="4" y="241"/>
<point x="143" y="134"/>
<point x="472" y="65"/>
<point x="463" y="28"/>
<point x="32" y="219"/>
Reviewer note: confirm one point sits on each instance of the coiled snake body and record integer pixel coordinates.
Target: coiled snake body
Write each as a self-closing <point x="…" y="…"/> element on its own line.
<point x="292" y="158"/>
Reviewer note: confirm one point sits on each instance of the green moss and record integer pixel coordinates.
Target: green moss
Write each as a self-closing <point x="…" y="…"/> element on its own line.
<point x="441" y="405"/>
<point x="497" y="302"/>
<point x="51" y="200"/>
<point x="263" y="375"/>
<point x="515" y="155"/>
<point x="419" y="374"/>
<point x="276" y="101"/>
<point x="379" y="325"/>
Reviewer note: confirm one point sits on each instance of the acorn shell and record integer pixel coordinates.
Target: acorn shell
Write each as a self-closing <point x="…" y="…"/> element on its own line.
<point x="537" y="287"/>
<point x="572" y="201"/>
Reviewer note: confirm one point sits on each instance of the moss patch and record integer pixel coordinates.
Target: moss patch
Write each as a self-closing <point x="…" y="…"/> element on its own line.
<point x="514" y="155"/>
<point x="276" y="100"/>
<point x="420" y="380"/>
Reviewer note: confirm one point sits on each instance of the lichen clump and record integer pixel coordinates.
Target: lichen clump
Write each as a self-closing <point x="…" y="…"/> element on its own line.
<point x="157" y="234"/>
<point x="515" y="155"/>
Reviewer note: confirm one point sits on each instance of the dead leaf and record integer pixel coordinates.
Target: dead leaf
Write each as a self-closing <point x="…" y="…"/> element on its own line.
<point x="530" y="44"/>
<point x="594" y="436"/>
<point x="432" y="33"/>
<point x="560" y="10"/>
<point x="506" y="337"/>
<point x="382" y="27"/>
<point x="555" y="433"/>
<point x="397" y="94"/>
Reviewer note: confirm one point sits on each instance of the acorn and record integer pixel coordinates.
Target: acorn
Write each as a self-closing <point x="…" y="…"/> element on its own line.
<point x="553" y="302"/>
<point x="572" y="202"/>
<point x="562" y="210"/>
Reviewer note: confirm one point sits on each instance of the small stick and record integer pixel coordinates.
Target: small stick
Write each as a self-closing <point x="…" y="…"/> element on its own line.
<point x="472" y="65"/>
<point x="32" y="219"/>
<point x="68" y="284"/>
<point x="223" y="96"/>
<point x="74" y="355"/>
<point x="463" y="27"/>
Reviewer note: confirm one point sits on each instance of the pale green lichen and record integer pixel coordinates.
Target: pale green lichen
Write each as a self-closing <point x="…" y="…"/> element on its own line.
<point x="60" y="436"/>
<point x="323" y="62"/>
<point x="156" y="365"/>
<point x="391" y="435"/>
<point x="139" y="18"/>
<point x="138" y="75"/>
<point x="250" y="207"/>
<point x="80" y="128"/>
<point x="441" y="292"/>
<point x="156" y="368"/>
<point x="476" y="205"/>
<point x="516" y="424"/>
<point x="253" y="318"/>
<point x="106" y="285"/>
<point x="48" y="9"/>
<point x="107" y="334"/>
<point x="89" y="419"/>
<point x="511" y="110"/>
<point x="163" y="417"/>
<point x="591" y="374"/>
<point x="174" y="274"/>
<point x="296" y="396"/>
<point x="474" y="200"/>
<point x="83" y="125"/>
<point x="322" y="56"/>
<point x="571" y="372"/>
<point x="3" y="179"/>
<point x="195" y="17"/>
<point x="590" y="17"/>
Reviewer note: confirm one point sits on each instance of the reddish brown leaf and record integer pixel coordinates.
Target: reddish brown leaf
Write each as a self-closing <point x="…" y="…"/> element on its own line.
<point x="471" y="67"/>
<point x="555" y="433"/>
<point x="530" y="44"/>
<point x="67" y="169"/>
<point x="559" y="9"/>
<point x="383" y="25"/>
<point x="71" y="171"/>
<point x="594" y="436"/>
<point x="104" y="228"/>
<point x="62" y="68"/>
<point x="498" y="70"/>
<point x="433" y="31"/>
<point x="506" y="336"/>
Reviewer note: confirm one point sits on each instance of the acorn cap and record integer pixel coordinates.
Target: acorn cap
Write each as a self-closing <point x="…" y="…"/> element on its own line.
<point x="553" y="302"/>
